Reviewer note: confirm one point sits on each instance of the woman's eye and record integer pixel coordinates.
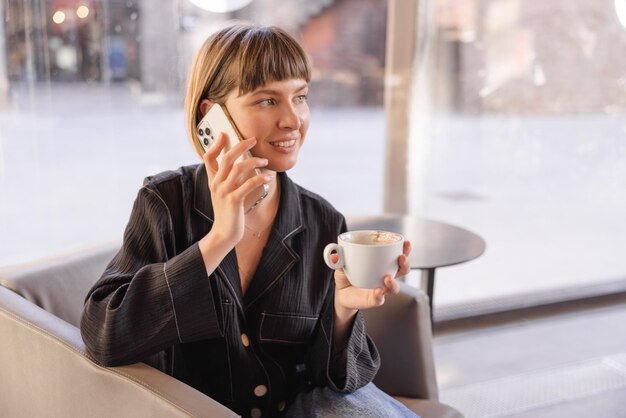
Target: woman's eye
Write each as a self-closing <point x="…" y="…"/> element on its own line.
<point x="267" y="102"/>
<point x="301" y="98"/>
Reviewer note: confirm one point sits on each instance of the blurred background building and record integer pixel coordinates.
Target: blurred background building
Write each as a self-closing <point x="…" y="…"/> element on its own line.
<point x="518" y="56"/>
<point x="68" y="41"/>
<point x="495" y="48"/>
<point x="133" y="41"/>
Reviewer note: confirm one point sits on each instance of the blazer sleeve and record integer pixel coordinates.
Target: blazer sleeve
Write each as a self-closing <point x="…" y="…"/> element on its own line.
<point x="350" y="368"/>
<point x="149" y="297"/>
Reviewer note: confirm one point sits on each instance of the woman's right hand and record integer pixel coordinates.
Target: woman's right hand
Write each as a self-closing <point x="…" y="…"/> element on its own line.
<point x="228" y="190"/>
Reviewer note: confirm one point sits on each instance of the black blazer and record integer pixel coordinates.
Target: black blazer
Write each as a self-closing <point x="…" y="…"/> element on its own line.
<point x="155" y="303"/>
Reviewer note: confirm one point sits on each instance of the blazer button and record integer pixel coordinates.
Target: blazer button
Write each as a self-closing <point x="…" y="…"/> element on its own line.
<point x="281" y="406"/>
<point x="256" y="413"/>
<point x="260" y="390"/>
<point x="245" y="340"/>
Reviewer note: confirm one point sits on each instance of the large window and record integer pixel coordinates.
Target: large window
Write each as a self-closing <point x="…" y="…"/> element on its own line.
<point x="91" y="96"/>
<point x="518" y="134"/>
<point x="515" y="111"/>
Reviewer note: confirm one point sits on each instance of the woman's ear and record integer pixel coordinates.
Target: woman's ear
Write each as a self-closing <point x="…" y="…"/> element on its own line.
<point x="205" y="105"/>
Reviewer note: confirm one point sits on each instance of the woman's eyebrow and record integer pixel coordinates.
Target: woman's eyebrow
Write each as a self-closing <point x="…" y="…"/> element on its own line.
<point x="264" y="92"/>
<point x="272" y="92"/>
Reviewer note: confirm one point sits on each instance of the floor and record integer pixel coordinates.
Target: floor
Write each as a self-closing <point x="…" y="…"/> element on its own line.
<point x="570" y="363"/>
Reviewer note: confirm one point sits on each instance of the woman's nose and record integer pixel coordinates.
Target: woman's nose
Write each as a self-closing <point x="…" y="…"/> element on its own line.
<point x="289" y="118"/>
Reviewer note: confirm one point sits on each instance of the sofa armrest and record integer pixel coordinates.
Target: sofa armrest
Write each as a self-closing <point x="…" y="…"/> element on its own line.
<point x="401" y="330"/>
<point x="59" y="284"/>
<point x="47" y="372"/>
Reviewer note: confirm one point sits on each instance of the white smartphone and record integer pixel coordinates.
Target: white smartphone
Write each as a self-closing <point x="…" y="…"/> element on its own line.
<point x="218" y="120"/>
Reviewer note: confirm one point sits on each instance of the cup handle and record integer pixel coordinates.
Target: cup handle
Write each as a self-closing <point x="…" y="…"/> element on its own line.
<point x="328" y="250"/>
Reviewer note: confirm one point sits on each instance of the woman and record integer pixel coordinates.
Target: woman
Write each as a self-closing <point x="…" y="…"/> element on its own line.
<point x="238" y="304"/>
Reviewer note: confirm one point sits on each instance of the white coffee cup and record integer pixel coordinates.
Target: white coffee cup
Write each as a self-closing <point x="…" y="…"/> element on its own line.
<point x="366" y="256"/>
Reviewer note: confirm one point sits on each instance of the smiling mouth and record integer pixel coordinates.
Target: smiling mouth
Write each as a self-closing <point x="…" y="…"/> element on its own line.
<point x="284" y="144"/>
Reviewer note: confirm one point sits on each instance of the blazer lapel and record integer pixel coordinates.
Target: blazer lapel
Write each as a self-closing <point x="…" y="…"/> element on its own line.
<point x="278" y="255"/>
<point x="228" y="270"/>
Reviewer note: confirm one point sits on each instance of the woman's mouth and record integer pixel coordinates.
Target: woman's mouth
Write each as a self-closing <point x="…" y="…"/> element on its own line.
<point x="284" y="144"/>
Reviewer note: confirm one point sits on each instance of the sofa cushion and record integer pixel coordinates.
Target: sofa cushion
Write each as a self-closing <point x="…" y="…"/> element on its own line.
<point x="401" y="331"/>
<point x="59" y="284"/>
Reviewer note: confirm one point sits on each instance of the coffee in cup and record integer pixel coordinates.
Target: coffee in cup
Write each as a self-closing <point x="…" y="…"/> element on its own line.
<point x="366" y="256"/>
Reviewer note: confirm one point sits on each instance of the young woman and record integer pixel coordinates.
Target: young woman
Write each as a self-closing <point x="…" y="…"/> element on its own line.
<point x="240" y="304"/>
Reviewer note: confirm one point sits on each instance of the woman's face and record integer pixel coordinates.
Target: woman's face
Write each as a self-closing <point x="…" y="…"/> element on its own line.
<point x="277" y="115"/>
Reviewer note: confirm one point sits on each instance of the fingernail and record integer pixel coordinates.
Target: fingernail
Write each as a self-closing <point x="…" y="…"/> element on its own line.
<point x="264" y="161"/>
<point x="268" y="178"/>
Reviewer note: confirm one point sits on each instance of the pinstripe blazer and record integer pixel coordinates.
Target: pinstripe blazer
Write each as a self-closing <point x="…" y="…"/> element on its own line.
<point x="155" y="303"/>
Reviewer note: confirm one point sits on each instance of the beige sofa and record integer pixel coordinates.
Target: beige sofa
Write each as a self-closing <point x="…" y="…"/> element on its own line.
<point x="46" y="372"/>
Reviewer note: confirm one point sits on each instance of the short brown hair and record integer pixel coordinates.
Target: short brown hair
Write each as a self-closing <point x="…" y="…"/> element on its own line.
<point x="242" y="56"/>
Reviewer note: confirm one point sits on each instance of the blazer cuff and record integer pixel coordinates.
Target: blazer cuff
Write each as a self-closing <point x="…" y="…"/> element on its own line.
<point x="189" y="286"/>
<point x="359" y="362"/>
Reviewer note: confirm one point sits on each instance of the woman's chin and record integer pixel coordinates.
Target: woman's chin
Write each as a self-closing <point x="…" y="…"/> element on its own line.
<point x="281" y="168"/>
<point x="280" y="165"/>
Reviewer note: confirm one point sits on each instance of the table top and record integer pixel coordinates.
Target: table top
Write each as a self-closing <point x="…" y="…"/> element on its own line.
<point x="434" y="244"/>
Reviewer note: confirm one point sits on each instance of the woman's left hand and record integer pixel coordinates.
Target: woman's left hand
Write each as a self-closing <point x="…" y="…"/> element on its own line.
<point x="350" y="298"/>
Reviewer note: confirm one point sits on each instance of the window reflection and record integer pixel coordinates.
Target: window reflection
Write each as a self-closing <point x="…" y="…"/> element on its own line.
<point x="524" y="143"/>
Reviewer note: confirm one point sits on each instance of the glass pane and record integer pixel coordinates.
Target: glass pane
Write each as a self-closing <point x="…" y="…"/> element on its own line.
<point x="91" y="97"/>
<point x="80" y="124"/>
<point x="525" y="143"/>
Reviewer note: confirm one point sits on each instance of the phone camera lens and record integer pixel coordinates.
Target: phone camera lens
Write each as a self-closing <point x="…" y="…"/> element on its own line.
<point x="200" y="132"/>
<point x="206" y="142"/>
<point x="207" y="131"/>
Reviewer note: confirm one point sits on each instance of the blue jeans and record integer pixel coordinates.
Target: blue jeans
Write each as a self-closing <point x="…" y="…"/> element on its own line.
<point x="367" y="402"/>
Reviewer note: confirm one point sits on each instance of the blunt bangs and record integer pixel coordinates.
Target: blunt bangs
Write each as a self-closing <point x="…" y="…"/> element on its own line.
<point x="270" y="54"/>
